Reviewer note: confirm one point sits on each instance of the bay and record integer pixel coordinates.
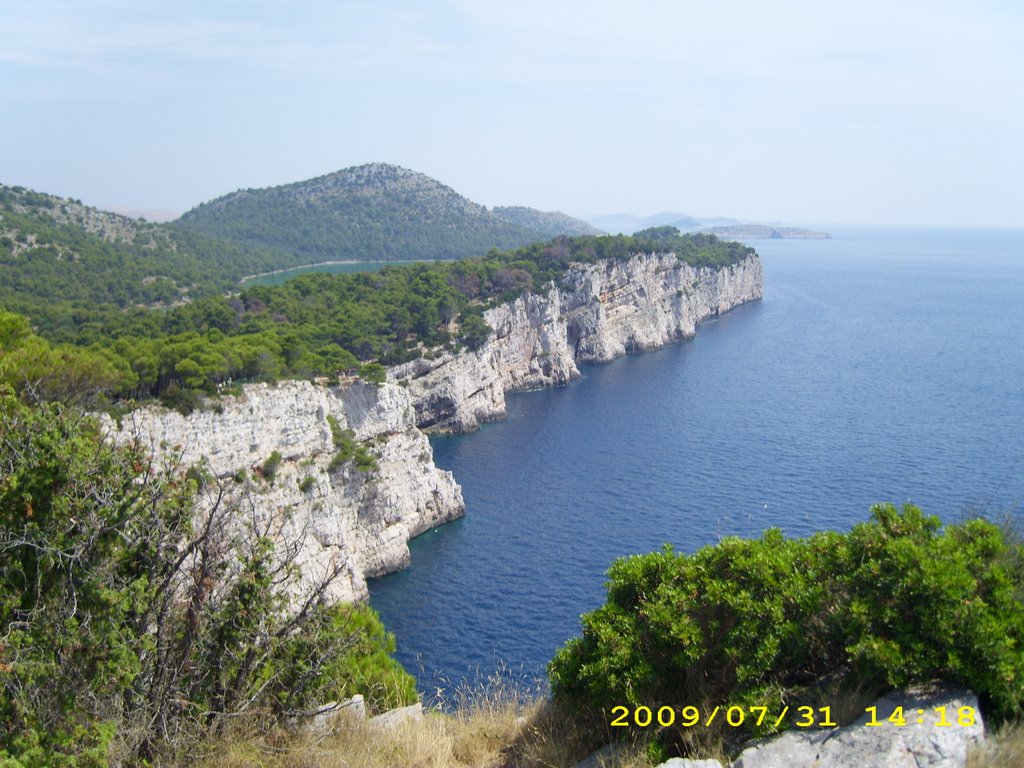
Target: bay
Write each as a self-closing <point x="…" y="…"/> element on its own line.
<point x="281" y="276"/>
<point x="883" y="365"/>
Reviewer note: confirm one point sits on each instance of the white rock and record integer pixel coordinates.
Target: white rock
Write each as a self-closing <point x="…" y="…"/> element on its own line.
<point x="596" y="312"/>
<point x="346" y="519"/>
<point x="396" y="717"/>
<point x="914" y="745"/>
<point x="686" y="762"/>
<point x="602" y="758"/>
<point x="328" y="714"/>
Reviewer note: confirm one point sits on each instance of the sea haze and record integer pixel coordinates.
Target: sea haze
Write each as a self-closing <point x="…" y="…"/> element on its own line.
<point x="881" y="365"/>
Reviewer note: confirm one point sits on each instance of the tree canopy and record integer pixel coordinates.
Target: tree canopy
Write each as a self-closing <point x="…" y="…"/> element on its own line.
<point x="899" y="599"/>
<point x="322" y="324"/>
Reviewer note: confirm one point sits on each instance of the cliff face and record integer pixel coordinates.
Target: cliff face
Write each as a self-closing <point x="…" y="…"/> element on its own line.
<point x="358" y="521"/>
<point x="340" y="518"/>
<point x="595" y="313"/>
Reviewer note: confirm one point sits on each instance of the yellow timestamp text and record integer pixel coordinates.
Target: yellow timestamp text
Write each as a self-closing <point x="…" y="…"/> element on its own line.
<point x="964" y="717"/>
<point x="800" y="717"/>
<point x="734" y="716"/>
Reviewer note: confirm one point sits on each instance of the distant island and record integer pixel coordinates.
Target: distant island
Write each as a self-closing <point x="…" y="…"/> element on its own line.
<point x="721" y="226"/>
<point x="766" y="232"/>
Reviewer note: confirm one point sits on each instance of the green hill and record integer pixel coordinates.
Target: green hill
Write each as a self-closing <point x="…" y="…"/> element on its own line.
<point x="373" y="212"/>
<point x="66" y="265"/>
<point x="63" y="263"/>
<point x="549" y="223"/>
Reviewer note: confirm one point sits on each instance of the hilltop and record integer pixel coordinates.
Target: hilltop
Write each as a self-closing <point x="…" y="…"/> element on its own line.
<point x="62" y="262"/>
<point x="67" y="265"/>
<point x="549" y="223"/>
<point x="374" y="212"/>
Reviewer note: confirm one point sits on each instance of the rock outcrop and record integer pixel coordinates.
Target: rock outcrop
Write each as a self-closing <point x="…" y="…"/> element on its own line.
<point x="595" y="312"/>
<point x="937" y="732"/>
<point x="925" y="738"/>
<point x="337" y="516"/>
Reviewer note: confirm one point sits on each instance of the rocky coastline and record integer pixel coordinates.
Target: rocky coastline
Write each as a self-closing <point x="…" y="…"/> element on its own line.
<point x="359" y="522"/>
<point x="335" y="516"/>
<point x="597" y="312"/>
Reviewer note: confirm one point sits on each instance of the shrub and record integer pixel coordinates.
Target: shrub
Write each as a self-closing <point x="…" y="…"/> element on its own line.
<point x="374" y="372"/>
<point x="184" y="401"/>
<point x="271" y="465"/>
<point x="140" y="612"/>
<point x="475" y="330"/>
<point x="337" y="434"/>
<point x="349" y="448"/>
<point x="306" y="484"/>
<point x="896" y="600"/>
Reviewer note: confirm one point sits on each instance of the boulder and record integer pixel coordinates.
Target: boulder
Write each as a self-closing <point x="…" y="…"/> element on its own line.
<point x="922" y="742"/>
<point x="396" y="717"/>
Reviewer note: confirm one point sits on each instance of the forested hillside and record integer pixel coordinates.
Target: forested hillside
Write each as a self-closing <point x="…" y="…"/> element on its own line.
<point x="62" y="263"/>
<point x="320" y="324"/>
<point x="548" y="223"/>
<point x="65" y="264"/>
<point x="374" y="212"/>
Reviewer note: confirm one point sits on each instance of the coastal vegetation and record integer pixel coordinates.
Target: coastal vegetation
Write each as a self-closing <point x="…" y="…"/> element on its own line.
<point x="141" y="614"/>
<point x="375" y="212"/>
<point x="775" y="621"/>
<point x="322" y="325"/>
<point x="65" y="264"/>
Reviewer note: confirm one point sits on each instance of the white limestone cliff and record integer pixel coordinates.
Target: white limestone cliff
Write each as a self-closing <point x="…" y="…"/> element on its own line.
<point x="361" y="522"/>
<point x="595" y="313"/>
<point x="340" y="517"/>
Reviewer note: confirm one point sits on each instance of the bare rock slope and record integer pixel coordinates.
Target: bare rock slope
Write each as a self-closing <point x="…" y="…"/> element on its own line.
<point x="595" y="313"/>
<point x="338" y="516"/>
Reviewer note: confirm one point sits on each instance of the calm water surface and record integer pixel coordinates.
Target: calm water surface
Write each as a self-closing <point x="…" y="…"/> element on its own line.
<point x="881" y="365"/>
<point x="337" y="268"/>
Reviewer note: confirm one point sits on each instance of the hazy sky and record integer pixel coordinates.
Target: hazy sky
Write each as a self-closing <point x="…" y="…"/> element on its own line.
<point x="807" y="112"/>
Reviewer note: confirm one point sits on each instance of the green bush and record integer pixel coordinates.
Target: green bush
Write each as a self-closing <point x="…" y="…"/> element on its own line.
<point x="375" y="373"/>
<point x="179" y="399"/>
<point x="475" y="330"/>
<point x="141" y="610"/>
<point x="896" y="600"/>
<point x="270" y="466"/>
<point x="338" y="436"/>
<point x="349" y="449"/>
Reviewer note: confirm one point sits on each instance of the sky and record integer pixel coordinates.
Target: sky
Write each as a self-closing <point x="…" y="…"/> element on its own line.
<point x="880" y="112"/>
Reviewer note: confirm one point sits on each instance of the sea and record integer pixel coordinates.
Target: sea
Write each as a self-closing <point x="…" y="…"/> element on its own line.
<point x="882" y="365"/>
<point x="281" y="276"/>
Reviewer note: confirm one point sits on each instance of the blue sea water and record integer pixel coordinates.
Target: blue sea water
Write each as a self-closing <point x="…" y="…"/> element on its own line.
<point x="881" y="365"/>
<point x="280" y="277"/>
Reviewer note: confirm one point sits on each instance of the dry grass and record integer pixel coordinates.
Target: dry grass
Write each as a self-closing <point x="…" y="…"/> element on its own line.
<point x="1005" y="749"/>
<point x="497" y="726"/>
<point x="502" y="725"/>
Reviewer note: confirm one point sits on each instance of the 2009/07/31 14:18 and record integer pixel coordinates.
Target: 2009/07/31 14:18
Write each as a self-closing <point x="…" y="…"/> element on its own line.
<point x="965" y="717"/>
<point x="735" y="716"/>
